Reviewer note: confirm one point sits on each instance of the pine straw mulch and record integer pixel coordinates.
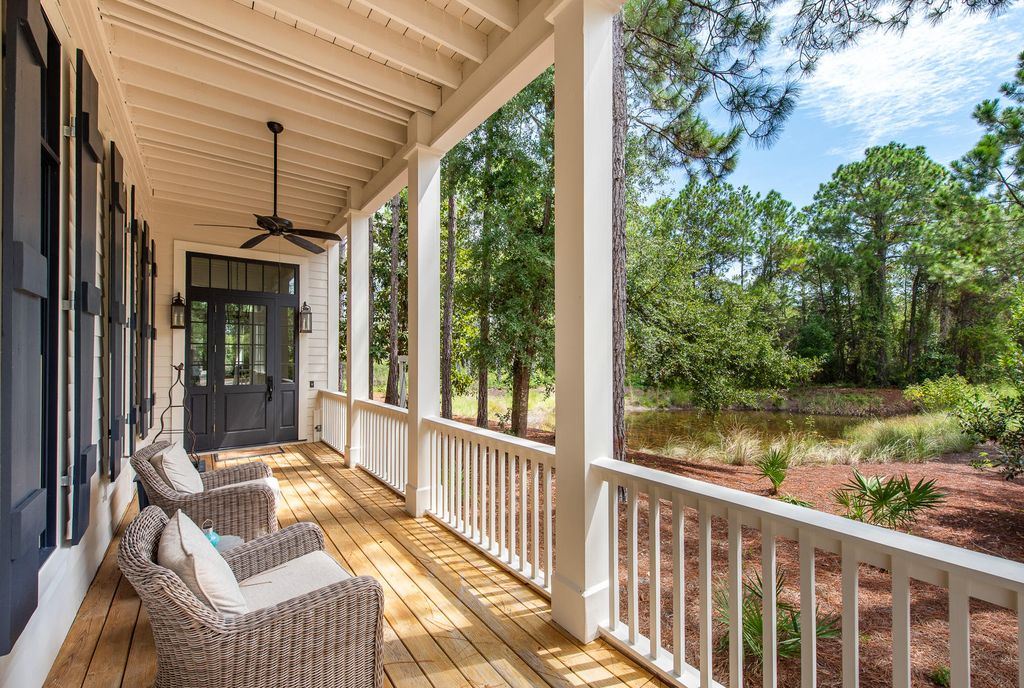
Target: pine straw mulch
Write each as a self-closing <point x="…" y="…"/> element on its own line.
<point x="982" y="512"/>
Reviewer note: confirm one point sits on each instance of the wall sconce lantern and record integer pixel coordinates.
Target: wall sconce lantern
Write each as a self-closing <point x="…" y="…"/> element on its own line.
<point x="178" y="313"/>
<point x="305" y="319"/>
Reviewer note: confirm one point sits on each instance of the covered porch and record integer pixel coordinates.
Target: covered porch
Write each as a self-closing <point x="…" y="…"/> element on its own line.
<point x="452" y="617"/>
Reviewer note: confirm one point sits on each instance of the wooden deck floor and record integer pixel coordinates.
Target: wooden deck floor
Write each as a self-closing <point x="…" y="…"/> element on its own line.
<point x="452" y="618"/>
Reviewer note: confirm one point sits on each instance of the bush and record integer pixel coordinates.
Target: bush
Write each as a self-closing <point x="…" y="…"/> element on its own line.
<point x="909" y="438"/>
<point x="788" y="629"/>
<point x="999" y="419"/>
<point x="940" y="676"/>
<point x="890" y="502"/>
<point x="941" y="394"/>
<point x="774" y="465"/>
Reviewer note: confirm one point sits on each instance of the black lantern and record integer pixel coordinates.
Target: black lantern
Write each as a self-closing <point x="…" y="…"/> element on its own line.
<point x="178" y="313"/>
<point x="305" y="319"/>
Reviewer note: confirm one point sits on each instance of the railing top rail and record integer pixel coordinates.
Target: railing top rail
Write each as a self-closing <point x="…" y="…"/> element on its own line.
<point x="929" y="554"/>
<point x="331" y="393"/>
<point x="495" y="437"/>
<point x="382" y="407"/>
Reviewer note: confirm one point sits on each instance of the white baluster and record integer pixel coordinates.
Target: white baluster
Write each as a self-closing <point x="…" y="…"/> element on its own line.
<point x="808" y="612"/>
<point x="613" y="554"/>
<point x="704" y="583"/>
<point x="654" y="557"/>
<point x="678" y="584"/>
<point x="959" y="632"/>
<point x="632" y="606"/>
<point x="769" y="598"/>
<point x="851" y="649"/>
<point x="735" y="587"/>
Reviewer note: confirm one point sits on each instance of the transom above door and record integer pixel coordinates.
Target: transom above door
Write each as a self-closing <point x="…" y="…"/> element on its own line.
<point x="242" y="351"/>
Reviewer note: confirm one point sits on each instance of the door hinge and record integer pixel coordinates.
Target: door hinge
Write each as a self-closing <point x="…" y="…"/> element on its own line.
<point x="69" y="129"/>
<point x="65" y="481"/>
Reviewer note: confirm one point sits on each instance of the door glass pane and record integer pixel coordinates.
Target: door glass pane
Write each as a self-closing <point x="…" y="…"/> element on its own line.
<point x="270" y="279"/>
<point x="198" y="343"/>
<point x="287" y="345"/>
<point x="219" y="274"/>
<point x="255" y="277"/>
<point x="245" y="344"/>
<point x="288" y="276"/>
<point x="200" y="272"/>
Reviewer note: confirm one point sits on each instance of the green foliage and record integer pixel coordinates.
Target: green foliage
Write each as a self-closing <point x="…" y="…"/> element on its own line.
<point x="909" y="438"/>
<point x="774" y="465"/>
<point x="997" y="418"/>
<point x="891" y="502"/>
<point x="940" y="676"/>
<point x="789" y="628"/>
<point x="814" y="340"/>
<point x="795" y="501"/>
<point x="942" y="394"/>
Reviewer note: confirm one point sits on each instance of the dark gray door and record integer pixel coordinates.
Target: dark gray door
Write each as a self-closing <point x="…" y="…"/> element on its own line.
<point x="245" y="358"/>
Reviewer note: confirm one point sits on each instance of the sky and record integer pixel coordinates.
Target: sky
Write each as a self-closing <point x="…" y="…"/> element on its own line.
<point x="918" y="88"/>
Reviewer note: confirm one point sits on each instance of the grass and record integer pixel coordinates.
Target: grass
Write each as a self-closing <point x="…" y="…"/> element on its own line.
<point x="908" y="439"/>
<point x="499" y="408"/>
<point x="834" y="402"/>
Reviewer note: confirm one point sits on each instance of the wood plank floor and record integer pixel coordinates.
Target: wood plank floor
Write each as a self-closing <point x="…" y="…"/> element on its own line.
<point x="452" y="617"/>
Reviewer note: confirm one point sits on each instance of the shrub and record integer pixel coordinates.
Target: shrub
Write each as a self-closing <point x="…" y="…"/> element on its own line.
<point x="774" y="465"/>
<point x="909" y="438"/>
<point x="741" y="446"/>
<point x="999" y="419"/>
<point x="941" y="394"/>
<point x="891" y="502"/>
<point x="940" y="676"/>
<point x="788" y="626"/>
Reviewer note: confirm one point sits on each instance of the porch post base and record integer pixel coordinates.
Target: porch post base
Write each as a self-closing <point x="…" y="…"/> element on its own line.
<point x="579" y="612"/>
<point x="416" y="500"/>
<point x="353" y="456"/>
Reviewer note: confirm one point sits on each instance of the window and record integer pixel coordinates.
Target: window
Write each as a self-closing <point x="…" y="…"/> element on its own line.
<point x="287" y="345"/>
<point x="198" y="345"/>
<point x="245" y="344"/>
<point x="241" y="275"/>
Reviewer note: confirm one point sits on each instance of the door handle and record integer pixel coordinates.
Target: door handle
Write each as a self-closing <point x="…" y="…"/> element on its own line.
<point x="270" y="388"/>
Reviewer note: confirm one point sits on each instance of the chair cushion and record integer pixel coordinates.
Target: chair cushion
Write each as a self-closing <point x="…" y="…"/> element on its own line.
<point x="174" y="466"/>
<point x="297" y="577"/>
<point x="185" y="551"/>
<point x="274" y="485"/>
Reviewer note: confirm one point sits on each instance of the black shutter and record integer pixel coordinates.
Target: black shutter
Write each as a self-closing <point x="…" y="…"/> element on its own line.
<point x="22" y="497"/>
<point x="145" y="404"/>
<point x="152" y="331"/>
<point x="118" y="312"/>
<point x="133" y="300"/>
<point x="88" y="155"/>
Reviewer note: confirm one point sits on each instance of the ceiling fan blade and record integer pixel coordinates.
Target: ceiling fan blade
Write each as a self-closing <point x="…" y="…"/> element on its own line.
<point x="255" y="241"/>
<point x="200" y="224"/>
<point x="302" y="243"/>
<point x="317" y="234"/>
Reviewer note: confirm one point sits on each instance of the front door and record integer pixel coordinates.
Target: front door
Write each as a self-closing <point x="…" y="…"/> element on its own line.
<point x="242" y="356"/>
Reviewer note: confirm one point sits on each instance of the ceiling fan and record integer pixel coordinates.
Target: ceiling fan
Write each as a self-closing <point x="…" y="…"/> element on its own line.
<point x="275" y="225"/>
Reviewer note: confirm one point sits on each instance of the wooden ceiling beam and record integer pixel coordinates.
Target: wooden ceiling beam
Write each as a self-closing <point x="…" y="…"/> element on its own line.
<point x="163" y="175"/>
<point x="259" y="203"/>
<point x="166" y="26"/>
<point x="504" y="13"/>
<point x="335" y="19"/>
<point x="301" y="219"/>
<point x="245" y="158"/>
<point x="172" y="124"/>
<point x="270" y="36"/>
<point x="434" y="23"/>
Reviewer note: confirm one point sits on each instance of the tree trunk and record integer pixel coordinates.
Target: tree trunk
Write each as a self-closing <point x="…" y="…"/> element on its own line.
<point x="446" y="318"/>
<point x="521" y="393"/>
<point x="619" y="125"/>
<point x="484" y="304"/>
<point x="369" y="319"/>
<point x="391" y="394"/>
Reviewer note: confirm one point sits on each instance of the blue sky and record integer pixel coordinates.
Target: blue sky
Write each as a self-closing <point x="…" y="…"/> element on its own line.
<point x="918" y="88"/>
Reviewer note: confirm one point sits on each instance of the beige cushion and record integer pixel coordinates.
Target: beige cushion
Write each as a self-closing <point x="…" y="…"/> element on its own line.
<point x="185" y="550"/>
<point x="272" y="482"/>
<point x="174" y="466"/>
<point x="297" y="577"/>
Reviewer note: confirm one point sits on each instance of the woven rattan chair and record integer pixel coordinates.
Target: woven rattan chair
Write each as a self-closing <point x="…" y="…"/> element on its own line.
<point x="328" y="638"/>
<point x="246" y="510"/>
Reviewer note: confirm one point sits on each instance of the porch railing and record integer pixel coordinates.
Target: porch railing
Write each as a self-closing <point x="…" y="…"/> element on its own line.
<point x="384" y="441"/>
<point x="495" y="491"/>
<point x="963" y="574"/>
<point x="333" y="419"/>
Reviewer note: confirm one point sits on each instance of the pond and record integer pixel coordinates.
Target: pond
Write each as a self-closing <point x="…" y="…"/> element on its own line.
<point x="654" y="429"/>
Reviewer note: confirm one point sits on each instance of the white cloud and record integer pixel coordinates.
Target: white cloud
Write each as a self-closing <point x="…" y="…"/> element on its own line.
<point x="889" y="84"/>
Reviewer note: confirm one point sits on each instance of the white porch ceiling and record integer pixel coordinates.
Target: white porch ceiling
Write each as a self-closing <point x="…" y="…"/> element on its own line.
<point x="200" y="78"/>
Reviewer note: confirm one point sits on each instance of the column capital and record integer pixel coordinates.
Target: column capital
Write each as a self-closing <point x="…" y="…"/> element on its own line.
<point x="559" y="6"/>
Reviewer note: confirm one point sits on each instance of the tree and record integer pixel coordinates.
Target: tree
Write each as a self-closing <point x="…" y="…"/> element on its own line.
<point x="391" y="393"/>
<point x="873" y="210"/>
<point x="996" y="163"/>
<point x="448" y="311"/>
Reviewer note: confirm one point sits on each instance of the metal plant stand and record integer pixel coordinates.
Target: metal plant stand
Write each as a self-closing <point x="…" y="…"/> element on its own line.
<point x="167" y="428"/>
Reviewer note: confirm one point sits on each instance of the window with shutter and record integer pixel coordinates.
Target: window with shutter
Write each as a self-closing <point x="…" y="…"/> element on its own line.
<point x="133" y="300"/>
<point x="28" y="158"/>
<point x="118" y="312"/>
<point x="88" y="156"/>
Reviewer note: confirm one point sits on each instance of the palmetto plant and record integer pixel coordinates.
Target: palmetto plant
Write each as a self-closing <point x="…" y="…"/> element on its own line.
<point x="891" y="502"/>
<point x="789" y="626"/>
<point x="774" y="465"/>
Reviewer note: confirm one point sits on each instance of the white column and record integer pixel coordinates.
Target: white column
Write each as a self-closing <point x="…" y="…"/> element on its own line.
<point x="357" y="335"/>
<point x="334" y="252"/>
<point x="583" y="309"/>
<point x="424" y="318"/>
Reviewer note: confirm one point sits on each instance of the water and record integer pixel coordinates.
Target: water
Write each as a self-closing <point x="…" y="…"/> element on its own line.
<point x="658" y="428"/>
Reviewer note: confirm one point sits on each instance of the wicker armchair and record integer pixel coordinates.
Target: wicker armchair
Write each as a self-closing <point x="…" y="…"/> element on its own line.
<point x="328" y="638"/>
<point x="247" y="511"/>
